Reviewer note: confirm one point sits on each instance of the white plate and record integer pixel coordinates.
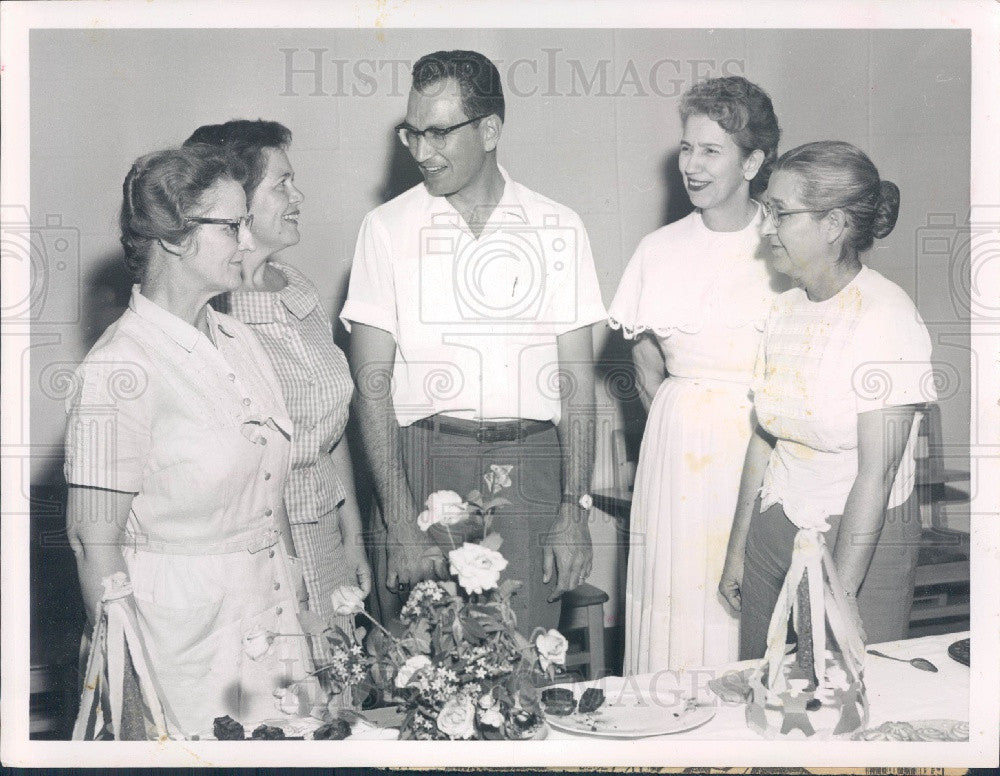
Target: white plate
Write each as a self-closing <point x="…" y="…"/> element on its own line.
<point x="633" y="715"/>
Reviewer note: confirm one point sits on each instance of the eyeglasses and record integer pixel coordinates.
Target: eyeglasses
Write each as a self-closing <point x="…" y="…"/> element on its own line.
<point x="234" y="224"/>
<point x="436" y="136"/>
<point x="775" y="215"/>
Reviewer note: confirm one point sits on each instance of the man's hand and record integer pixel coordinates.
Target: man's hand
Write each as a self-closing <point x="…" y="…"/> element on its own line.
<point x="358" y="568"/>
<point x="412" y="557"/>
<point x="568" y="551"/>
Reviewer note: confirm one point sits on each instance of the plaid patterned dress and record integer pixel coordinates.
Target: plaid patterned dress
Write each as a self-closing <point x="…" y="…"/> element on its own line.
<point x="316" y="383"/>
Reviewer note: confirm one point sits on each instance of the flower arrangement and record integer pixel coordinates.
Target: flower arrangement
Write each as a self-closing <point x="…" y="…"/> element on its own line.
<point x="460" y="669"/>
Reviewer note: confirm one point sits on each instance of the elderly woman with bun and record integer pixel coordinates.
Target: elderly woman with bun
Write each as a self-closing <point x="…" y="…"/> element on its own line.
<point x="283" y="309"/>
<point x="843" y="368"/>
<point x="177" y="452"/>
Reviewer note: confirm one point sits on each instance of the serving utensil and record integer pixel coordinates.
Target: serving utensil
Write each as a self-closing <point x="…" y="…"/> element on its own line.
<point x="918" y="662"/>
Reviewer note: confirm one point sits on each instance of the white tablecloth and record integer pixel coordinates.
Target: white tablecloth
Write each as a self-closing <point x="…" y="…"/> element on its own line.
<point x="897" y="692"/>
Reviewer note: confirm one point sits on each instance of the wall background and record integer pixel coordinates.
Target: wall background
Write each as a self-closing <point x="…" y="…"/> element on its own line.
<point x="591" y="122"/>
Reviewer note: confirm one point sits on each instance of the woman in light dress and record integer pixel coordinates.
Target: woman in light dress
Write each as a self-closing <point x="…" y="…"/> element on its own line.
<point x="694" y="298"/>
<point x="177" y="453"/>
<point x="844" y="366"/>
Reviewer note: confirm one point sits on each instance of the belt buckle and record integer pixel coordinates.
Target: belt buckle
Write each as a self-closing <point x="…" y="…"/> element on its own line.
<point x="262" y="542"/>
<point x="483" y="433"/>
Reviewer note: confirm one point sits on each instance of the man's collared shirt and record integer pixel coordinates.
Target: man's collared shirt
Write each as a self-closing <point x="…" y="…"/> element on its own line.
<point x="475" y="320"/>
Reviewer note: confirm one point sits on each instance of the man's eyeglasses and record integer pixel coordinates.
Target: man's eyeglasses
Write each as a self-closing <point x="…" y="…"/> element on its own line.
<point x="233" y="223"/>
<point x="436" y="136"/>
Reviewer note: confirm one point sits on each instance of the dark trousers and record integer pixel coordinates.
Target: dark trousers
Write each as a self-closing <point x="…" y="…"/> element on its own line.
<point x="439" y="461"/>
<point x="884" y="598"/>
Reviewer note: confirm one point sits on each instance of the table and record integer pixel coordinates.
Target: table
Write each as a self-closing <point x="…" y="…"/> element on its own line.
<point x="897" y="692"/>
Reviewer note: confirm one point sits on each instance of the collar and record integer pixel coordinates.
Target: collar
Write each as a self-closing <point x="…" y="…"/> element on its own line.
<point x="259" y="306"/>
<point x="181" y="332"/>
<point x="509" y="211"/>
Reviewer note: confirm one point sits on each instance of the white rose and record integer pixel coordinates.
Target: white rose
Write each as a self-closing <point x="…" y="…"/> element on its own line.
<point x="501" y="474"/>
<point x="347" y="600"/>
<point x="491" y="717"/>
<point x="257" y="643"/>
<point x="410" y="667"/>
<point x="489" y="711"/>
<point x="446" y="507"/>
<point x="457" y="718"/>
<point x="424" y="520"/>
<point x="551" y="648"/>
<point x="290" y="700"/>
<point x="477" y="568"/>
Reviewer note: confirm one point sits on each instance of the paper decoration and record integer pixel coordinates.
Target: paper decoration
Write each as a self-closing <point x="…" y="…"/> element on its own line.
<point x="816" y="687"/>
<point x="115" y="644"/>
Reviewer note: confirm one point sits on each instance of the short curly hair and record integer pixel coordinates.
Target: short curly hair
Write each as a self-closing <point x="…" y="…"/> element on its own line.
<point x="745" y="111"/>
<point x="247" y="140"/>
<point x="161" y="190"/>
<point x="478" y="80"/>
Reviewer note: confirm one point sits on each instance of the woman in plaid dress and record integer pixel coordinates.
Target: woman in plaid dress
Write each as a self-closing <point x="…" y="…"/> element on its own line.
<point x="283" y="309"/>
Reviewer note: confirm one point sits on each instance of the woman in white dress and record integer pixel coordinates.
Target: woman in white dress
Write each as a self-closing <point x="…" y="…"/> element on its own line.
<point x="177" y="453"/>
<point x="694" y="298"/>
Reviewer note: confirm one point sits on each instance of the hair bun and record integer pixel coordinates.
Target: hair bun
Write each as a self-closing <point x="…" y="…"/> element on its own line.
<point x="887" y="209"/>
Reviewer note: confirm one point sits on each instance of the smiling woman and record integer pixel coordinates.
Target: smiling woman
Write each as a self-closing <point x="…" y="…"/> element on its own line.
<point x="176" y="453"/>
<point x="693" y="298"/>
<point x="282" y="308"/>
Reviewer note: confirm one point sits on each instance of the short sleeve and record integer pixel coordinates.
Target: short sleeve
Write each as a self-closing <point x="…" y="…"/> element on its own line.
<point x="108" y="431"/>
<point x="371" y="293"/>
<point x="574" y="307"/>
<point x="624" y="310"/>
<point x="891" y="359"/>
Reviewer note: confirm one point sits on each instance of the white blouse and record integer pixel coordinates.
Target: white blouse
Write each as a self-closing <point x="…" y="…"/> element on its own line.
<point x="820" y="365"/>
<point x="704" y="294"/>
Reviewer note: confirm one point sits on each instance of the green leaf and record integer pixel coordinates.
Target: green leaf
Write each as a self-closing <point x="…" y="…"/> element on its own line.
<point x="492" y="542"/>
<point x="474" y="497"/>
<point x="473" y="628"/>
<point x="496" y="503"/>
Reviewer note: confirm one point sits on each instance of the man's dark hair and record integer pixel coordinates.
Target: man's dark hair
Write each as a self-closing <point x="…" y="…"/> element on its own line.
<point x="477" y="77"/>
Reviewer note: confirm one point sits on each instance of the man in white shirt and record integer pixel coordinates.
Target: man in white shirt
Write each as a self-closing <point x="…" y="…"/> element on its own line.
<point x="470" y="304"/>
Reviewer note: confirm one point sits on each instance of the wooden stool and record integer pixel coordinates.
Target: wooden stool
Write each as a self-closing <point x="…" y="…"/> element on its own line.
<point x="583" y="607"/>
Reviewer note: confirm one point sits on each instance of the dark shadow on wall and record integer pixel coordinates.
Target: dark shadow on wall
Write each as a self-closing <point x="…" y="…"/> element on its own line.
<point x="676" y="204"/>
<point x="106" y="293"/>
<point x="57" y="616"/>
<point x="401" y="172"/>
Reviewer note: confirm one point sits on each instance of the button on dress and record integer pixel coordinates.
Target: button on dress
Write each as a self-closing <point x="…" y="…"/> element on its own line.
<point x="191" y="429"/>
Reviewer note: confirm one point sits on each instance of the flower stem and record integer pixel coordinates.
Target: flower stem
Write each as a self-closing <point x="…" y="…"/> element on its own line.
<point x="377" y="624"/>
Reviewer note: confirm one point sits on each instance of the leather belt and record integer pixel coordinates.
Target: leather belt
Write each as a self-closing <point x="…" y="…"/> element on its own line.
<point x="485" y="430"/>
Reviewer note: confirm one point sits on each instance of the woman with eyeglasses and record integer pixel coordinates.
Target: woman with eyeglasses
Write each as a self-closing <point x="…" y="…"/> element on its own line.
<point x="693" y="299"/>
<point x="177" y="452"/>
<point x="843" y="365"/>
<point x="283" y="309"/>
